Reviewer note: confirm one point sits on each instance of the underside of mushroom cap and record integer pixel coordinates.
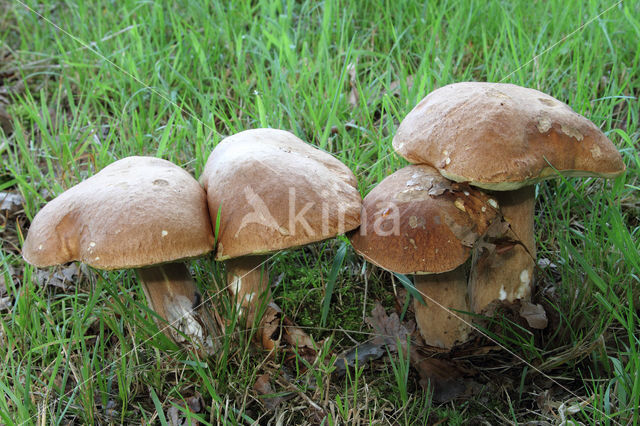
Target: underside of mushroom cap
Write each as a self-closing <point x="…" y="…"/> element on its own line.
<point x="273" y="191"/>
<point x="502" y="137"/>
<point x="137" y="211"/>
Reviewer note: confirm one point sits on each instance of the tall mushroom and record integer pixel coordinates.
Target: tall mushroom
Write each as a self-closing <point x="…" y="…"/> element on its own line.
<point x="273" y="191"/>
<point x="504" y="138"/>
<point x="138" y="212"/>
<point x="417" y="222"/>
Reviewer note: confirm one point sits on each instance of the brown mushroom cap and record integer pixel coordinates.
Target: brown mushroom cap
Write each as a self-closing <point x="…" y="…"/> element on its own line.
<point x="503" y="137"/>
<point x="275" y="191"/>
<point x="437" y="222"/>
<point x="137" y="211"/>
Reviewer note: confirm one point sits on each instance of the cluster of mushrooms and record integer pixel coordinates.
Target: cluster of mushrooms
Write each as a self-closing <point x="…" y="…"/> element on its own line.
<point x="460" y="218"/>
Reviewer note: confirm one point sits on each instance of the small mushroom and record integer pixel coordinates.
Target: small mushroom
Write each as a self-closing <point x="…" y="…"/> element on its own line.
<point x="138" y="212"/>
<point x="504" y="138"/>
<point x="417" y="222"/>
<point x="273" y="191"/>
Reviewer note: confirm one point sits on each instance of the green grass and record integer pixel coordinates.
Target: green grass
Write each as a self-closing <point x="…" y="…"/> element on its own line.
<point x="171" y="79"/>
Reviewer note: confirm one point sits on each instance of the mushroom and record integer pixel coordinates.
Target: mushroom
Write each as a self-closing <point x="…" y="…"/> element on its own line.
<point x="138" y="212"/>
<point x="272" y="191"/>
<point x="417" y="222"/>
<point x="504" y="138"/>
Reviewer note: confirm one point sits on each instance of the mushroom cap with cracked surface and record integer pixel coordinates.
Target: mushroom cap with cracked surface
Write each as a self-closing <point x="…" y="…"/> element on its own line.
<point x="417" y="222"/>
<point x="501" y="137"/>
<point x="273" y="191"/>
<point x="137" y="211"/>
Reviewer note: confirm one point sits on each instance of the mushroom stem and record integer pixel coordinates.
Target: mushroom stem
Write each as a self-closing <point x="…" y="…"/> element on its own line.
<point x="172" y="294"/>
<point x="443" y="294"/>
<point x="248" y="284"/>
<point x="506" y="273"/>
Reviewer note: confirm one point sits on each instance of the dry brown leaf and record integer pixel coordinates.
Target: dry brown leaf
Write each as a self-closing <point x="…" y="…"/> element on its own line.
<point x="388" y="328"/>
<point x="439" y="187"/>
<point x="466" y="235"/>
<point x="176" y="413"/>
<point x="359" y="355"/>
<point x="534" y="314"/>
<point x="497" y="229"/>
<point x="263" y="387"/>
<point x="277" y="329"/>
<point x="63" y="277"/>
<point x="10" y="202"/>
<point x="5" y="121"/>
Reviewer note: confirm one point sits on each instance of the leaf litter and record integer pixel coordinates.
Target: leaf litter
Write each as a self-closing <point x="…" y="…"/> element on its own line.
<point x="64" y="277"/>
<point x="178" y="413"/>
<point x="443" y="377"/>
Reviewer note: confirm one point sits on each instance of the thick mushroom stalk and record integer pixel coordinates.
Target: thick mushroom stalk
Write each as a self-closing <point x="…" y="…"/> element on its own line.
<point x="248" y="284"/>
<point x="502" y="270"/>
<point x="444" y="294"/>
<point x="172" y="294"/>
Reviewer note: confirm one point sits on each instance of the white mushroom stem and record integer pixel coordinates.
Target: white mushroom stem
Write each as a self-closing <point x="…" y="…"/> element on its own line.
<point x="248" y="284"/>
<point x="506" y="274"/>
<point x="445" y="294"/>
<point x="172" y="294"/>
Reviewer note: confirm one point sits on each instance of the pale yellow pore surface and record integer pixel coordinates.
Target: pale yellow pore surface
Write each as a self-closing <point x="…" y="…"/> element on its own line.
<point x="135" y="212"/>
<point x="545" y="174"/>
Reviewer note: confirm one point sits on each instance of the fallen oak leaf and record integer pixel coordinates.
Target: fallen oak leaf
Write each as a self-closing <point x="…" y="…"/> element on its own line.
<point x="10" y="202"/>
<point x="359" y="355"/>
<point x="6" y="123"/>
<point x="439" y="187"/>
<point x="193" y="405"/>
<point x="276" y="328"/>
<point x="59" y="277"/>
<point x="534" y="314"/>
<point x="466" y="235"/>
<point x="269" y="398"/>
<point x="389" y="329"/>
